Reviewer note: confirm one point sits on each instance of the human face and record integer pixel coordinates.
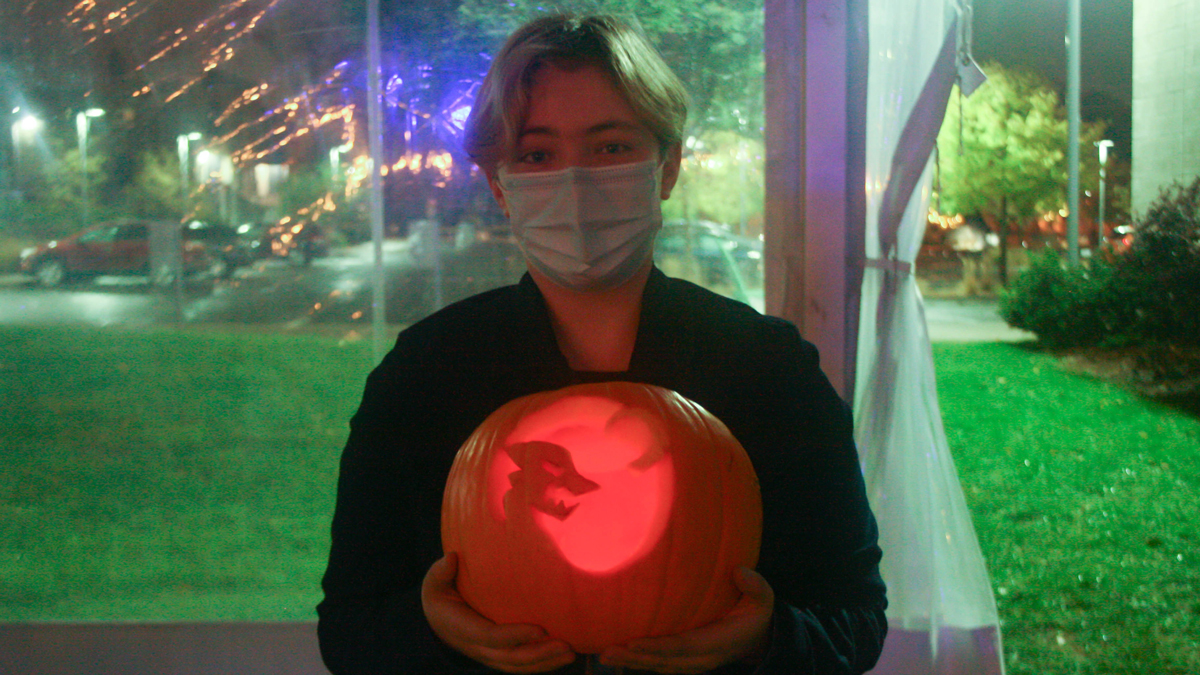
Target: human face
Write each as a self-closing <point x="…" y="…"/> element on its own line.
<point x="578" y="118"/>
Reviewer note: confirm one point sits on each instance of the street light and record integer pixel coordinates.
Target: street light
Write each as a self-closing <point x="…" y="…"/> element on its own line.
<point x="1102" y="147"/>
<point x="1073" y="124"/>
<point x="24" y="136"/>
<point x="217" y="172"/>
<point x="335" y="163"/>
<point x="25" y="130"/>
<point x="28" y="126"/>
<point x="182" y="142"/>
<point x="83" y="122"/>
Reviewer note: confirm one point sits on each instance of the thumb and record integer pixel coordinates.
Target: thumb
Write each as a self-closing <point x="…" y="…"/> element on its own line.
<point x="753" y="585"/>
<point x="444" y="570"/>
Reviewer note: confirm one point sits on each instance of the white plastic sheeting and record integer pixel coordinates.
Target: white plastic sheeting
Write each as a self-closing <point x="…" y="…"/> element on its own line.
<point x="942" y="615"/>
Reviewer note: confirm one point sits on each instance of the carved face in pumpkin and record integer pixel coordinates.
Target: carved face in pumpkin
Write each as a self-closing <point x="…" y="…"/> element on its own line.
<point x="603" y="513"/>
<point x="593" y="475"/>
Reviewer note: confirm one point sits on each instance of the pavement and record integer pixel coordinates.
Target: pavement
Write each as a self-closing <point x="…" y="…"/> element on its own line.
<point x="969" y="320"/>
<point x="950" y="319"/>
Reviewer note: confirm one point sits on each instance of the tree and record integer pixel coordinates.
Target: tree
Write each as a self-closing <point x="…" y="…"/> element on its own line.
<point x="721" y="180"/>
<point x="1004" y="157"/>
<point x="154" y="192"/>
<point x="715" y="47"/>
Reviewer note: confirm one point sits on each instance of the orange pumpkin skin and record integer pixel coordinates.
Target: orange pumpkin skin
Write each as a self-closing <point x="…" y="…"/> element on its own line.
<point x="602" y="513"/>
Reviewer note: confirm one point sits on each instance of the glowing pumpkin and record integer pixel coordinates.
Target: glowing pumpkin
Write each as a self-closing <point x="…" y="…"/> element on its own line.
<point x="602" y="513"/>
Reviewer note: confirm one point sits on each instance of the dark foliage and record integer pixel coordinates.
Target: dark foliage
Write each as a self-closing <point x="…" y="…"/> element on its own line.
<point x="1150" y="295"/>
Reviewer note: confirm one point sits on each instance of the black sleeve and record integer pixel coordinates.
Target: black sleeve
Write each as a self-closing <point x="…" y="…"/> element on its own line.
<point x="819" y="554"/>
<point x="820" y="542"/>
<point x="386" y="533"/>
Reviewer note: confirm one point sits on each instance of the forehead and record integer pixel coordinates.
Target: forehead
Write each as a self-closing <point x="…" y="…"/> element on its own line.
<point x="566" y="100"/>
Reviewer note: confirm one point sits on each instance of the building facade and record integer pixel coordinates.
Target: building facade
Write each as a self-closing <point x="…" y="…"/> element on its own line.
<point x="1166" y="96"/>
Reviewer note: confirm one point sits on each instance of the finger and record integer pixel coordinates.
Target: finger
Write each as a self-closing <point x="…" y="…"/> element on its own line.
<point x="444" y="571"/>
<point x="471" y="627"/>
<point x="510" y="636"/>
<point x="440" y="580"/>
<point x="738" y="633"/>
<point x="531" y="658"/>
<point x="691" y="643"/>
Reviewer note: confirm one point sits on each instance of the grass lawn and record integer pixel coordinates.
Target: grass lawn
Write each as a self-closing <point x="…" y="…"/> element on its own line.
<point x="1085" y="498"/>
<point x="190" y="476"/>
<point x="161" y="475"/>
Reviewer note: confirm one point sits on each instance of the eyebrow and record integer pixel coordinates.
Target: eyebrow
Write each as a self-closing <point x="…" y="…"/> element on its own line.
<point x="592" y="130"/>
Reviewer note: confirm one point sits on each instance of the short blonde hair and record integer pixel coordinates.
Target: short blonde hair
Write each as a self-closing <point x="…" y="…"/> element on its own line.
<point x="638" y="71"/>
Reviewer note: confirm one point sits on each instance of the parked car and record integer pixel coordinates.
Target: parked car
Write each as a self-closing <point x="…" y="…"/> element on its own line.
<point x="233" y="246"/>
<point x="121" y="247"/>
<point x="712" y="256"/>
<point x="302" y="241"/>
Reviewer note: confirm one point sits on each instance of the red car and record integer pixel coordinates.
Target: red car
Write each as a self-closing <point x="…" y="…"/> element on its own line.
<point x="117" y="248"/>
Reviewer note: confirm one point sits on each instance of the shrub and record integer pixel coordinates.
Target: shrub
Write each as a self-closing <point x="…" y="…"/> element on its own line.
<point x="1064" y="306"/>
<point x="1161" y="271"/>
<point x="1148" y="296"/>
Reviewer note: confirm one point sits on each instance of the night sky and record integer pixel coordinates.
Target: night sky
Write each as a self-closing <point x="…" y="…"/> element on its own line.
<point x="1030" y="34"/>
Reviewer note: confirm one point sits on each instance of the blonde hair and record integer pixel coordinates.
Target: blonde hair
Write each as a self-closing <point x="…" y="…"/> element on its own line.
<point x="651" y="87"/>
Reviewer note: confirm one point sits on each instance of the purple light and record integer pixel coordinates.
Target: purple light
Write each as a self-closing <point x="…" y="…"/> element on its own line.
<point x="458" y="117"/>
<point x="456" y="108"/>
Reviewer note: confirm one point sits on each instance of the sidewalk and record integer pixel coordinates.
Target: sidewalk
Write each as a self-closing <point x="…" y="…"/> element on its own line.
<point x="969" y="320"/>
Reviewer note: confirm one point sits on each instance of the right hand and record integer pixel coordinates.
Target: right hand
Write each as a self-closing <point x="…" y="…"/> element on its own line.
<point x="512" y="648"/>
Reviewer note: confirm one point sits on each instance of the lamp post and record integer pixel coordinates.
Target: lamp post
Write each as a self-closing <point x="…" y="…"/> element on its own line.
<point x="24" y="132"/>
<point x="375" y="153"/>
<point x="1073" y="124"/>
<point x="183" y="143"/>
<point x="1102" y="147"/>
<point x="83" y="123"/>
<point x="217" y="171"/>
<point x="335" y="164"/>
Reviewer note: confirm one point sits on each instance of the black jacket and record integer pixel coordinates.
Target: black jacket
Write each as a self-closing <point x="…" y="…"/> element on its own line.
<point x="449" y="371"/>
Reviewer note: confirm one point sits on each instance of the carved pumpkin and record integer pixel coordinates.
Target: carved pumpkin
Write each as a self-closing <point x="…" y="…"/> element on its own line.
<point x="602" y="513"/>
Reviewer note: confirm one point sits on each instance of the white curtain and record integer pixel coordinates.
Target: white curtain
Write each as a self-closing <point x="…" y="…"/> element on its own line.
<point x="942" y="615"/>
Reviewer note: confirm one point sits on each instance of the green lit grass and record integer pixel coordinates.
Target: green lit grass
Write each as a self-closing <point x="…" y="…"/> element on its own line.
<point x="190" y="476"/>
<point x="162" y="476"/>
<point x="1085" y="498"/>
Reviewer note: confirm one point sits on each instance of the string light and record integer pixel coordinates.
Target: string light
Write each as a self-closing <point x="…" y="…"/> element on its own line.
<point x="945" y="222"/>
<point x="196" y="49"/>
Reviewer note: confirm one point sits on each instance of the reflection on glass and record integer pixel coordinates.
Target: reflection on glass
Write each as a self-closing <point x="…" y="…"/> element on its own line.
<point x="183" y="370"/>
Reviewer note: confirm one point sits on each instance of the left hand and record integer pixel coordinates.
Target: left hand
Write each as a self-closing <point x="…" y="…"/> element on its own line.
<point x="743" y="633"/>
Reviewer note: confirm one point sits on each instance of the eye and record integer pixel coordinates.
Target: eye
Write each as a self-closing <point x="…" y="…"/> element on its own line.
<point x="535" y="157"/>
<point x="614" y="148"/>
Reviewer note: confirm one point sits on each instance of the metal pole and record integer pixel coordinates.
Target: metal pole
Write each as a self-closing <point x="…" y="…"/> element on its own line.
<point x="81" y="129"/>
<point x="1100" y="225"/>
<point x="1073" y="132"/>
<point x="185" y="160"/>
<point x="181" y="144"/>
<point x="375" y="134"/>
<point x="1102" y="147"/>
<point x="235" y="212"/>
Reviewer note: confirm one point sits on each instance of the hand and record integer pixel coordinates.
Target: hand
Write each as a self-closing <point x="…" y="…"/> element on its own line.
<point x="743" y="633"/>
<point x="513" y="648"/>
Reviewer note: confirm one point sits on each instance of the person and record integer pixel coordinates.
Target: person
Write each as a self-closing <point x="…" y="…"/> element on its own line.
<point x="578" y="127"/>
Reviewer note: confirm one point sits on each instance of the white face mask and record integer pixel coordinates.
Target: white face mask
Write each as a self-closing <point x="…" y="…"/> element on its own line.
<point x="586" y="229"/>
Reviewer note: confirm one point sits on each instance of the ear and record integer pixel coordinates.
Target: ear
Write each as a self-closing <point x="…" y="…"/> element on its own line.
<point x="673" y="158"/>
<point x="494" y="184"/>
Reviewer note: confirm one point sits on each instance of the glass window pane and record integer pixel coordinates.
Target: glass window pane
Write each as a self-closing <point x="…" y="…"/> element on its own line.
<point x="178" y="380"/>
